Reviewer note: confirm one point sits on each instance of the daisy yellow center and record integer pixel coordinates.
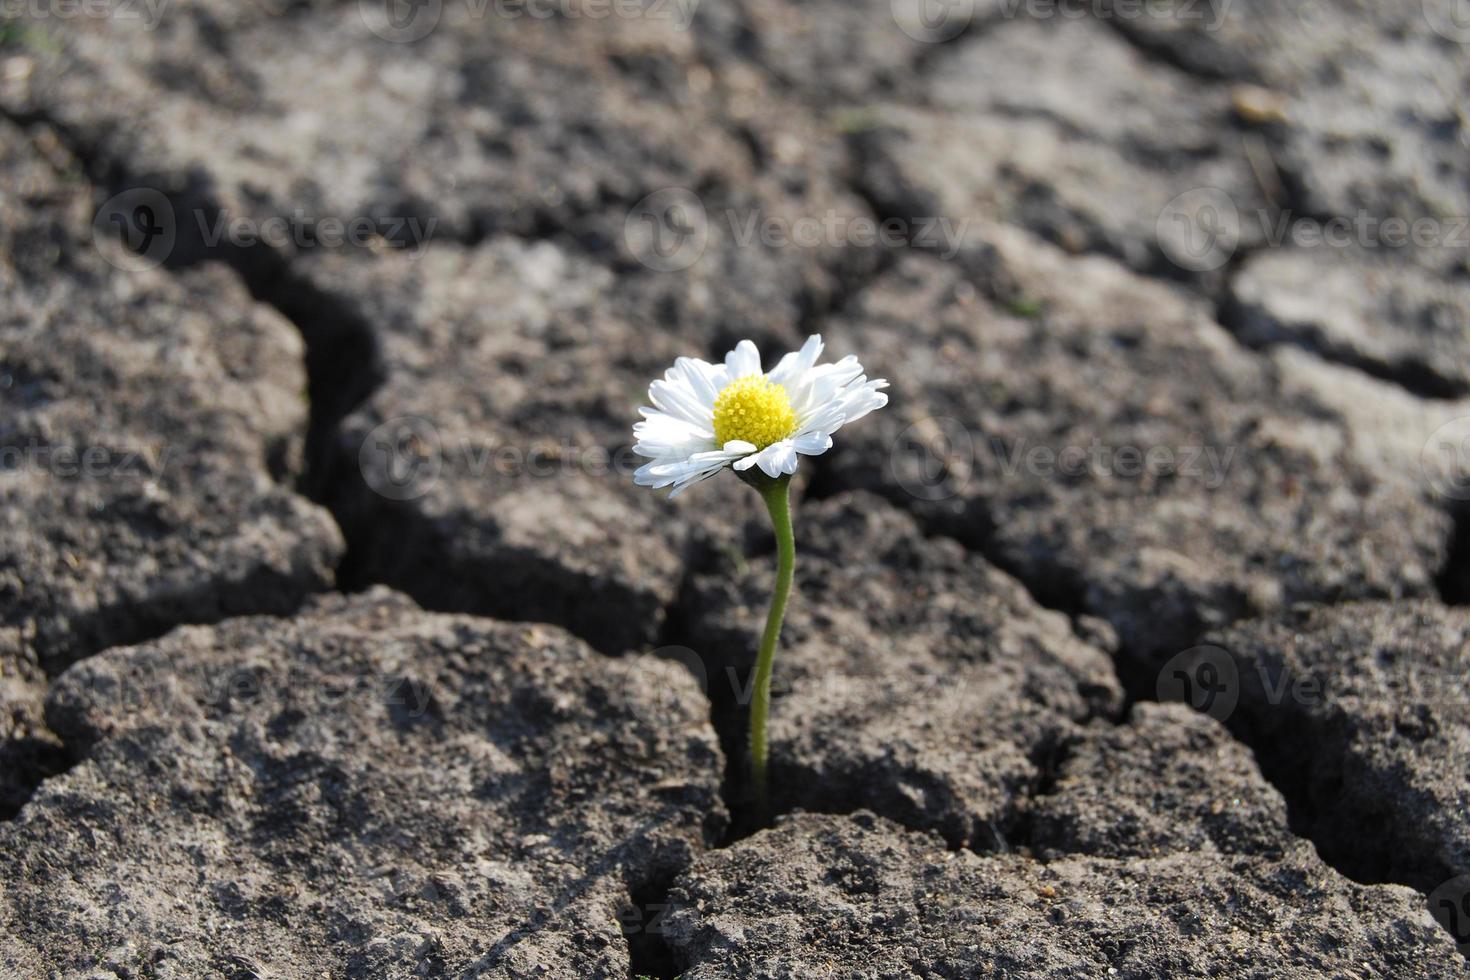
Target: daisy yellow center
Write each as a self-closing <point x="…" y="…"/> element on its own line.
<point x="753" y="410"/>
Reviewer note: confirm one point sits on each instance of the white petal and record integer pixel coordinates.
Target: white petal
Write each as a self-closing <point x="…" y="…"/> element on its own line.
<point x="776" y="459"/>
<point x="677" y="434"/>
<point x="821" y="383"/>
<point x="705" y="379"/>
<point x="827" y="419"/>
<point x="865" y="399"/>
<point x="697" y="476"/>
<point x="743" y="361"/>
<point x="683" y="473"/>
<point x="663" y="435"/>
<point x="833" y="406"/>
<point x="686" y="484"/>
<point x="779" y="459"/>
<point x="824" y="382"/>
<point x="794" y="366"/>
<point x="645" y="477"/>
<point x="675" y="396"/>
<point x="812" y="443"/>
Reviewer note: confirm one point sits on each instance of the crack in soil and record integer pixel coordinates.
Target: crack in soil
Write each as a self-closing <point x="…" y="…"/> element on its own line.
<point x="1453" y="580"/>
<point x="1249" y="328"/>
<point x="343" y="370"/>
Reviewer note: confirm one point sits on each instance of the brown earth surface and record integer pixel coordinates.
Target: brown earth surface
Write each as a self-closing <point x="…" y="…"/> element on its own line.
<point x="1129" y="639"/>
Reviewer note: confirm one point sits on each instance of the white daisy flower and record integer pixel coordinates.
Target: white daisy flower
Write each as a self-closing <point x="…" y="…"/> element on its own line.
<point x="706" y="416"/>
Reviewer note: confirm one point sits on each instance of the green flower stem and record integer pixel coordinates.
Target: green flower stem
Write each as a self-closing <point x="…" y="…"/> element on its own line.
<point x="777" y="495"/>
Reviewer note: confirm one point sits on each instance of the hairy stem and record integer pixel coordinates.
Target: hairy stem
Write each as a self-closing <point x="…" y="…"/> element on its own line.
<point x="777" y="496"/>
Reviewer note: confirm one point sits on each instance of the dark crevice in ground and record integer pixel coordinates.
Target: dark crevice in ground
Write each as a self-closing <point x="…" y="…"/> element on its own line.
<point x="1453" y="580"/>
<point x="1049" y="761"/>
<point x="1065" y="592"/>
<point x="341" y="361"/>
<point x="335" y="350"/>
<point x="1161" y="51"/>
<point x="343" y="370"/>
<point x="1253" y="332"/>
<point x="36" y="760"/>
<point x="1308" y="781"/>
<point x="722" y="689"/>
<point x="1312" y="805"/>
<point x="343" y="367"/>
<point x="649" y="954"/>
<point x="1303" y="762"/>
<point x="1247" y="325"/>
<point x="143" y="620"/>
<point x="399" y="546"/>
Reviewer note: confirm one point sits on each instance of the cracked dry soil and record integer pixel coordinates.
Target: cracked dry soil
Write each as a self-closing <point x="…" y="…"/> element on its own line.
<point x="336" y="641"/>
